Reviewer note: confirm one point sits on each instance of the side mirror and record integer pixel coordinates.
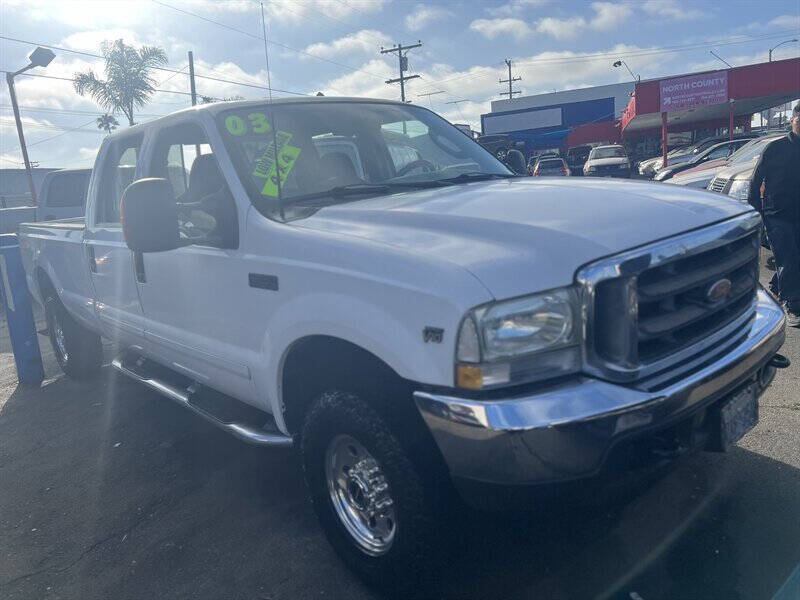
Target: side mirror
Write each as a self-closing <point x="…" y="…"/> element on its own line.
<point x="150" y="216"/>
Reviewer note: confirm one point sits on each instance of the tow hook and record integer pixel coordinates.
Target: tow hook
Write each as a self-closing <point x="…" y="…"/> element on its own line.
<point x="779" y="361"/>
<point x="767" y="372"/>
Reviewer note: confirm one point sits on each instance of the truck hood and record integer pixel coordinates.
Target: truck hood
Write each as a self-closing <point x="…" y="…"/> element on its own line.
<point x="524" y="235"/>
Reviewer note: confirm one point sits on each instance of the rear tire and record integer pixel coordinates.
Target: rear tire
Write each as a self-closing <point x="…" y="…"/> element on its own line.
<point x="79" y="352"/>
<point x="349" y="453"/>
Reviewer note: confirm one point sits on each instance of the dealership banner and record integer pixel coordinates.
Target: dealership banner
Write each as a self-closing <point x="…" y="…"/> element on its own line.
<point x="694" y="90"/>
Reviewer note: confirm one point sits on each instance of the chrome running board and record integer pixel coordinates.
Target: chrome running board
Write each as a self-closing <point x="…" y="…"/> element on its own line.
<point x="245" y="432"/>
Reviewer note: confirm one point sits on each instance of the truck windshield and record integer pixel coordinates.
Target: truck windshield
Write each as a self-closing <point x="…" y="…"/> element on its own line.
<point x="351" y="149"/>
<point x="609" y="152"/>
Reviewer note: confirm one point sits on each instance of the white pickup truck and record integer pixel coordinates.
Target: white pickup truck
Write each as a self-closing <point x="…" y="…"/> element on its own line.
<point x="362" y="280"/>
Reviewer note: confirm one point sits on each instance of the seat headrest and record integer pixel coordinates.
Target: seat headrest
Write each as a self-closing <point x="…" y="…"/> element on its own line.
<point x="338" y="165"/>
<point x="205" y="177"/>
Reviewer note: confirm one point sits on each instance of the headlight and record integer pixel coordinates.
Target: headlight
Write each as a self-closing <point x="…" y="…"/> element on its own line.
<point x="740" y="189"/>
<point x="517" y="341"/>
<point x="589" y="169"/>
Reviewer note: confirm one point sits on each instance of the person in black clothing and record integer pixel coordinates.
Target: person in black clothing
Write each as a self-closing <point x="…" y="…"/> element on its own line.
<point x="779" y="171"/>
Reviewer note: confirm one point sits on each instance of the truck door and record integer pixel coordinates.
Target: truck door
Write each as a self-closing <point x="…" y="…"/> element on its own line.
<point x="194" y="314"/>
<point x="111" y="262"/>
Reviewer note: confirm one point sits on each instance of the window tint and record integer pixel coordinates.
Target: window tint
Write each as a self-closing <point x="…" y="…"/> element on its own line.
<point x="67" y="190"/>
<point x="118" y="171"/>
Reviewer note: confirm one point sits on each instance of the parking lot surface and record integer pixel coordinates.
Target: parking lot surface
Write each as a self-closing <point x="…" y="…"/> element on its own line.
<point x="110" y="491"/>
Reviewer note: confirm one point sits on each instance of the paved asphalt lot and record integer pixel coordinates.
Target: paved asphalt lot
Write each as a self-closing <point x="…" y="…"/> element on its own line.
<point x="109" y="491"/>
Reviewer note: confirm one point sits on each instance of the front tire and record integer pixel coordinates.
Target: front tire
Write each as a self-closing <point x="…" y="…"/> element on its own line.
<point x="371" y="501"/>
<point x="79" y="352"/>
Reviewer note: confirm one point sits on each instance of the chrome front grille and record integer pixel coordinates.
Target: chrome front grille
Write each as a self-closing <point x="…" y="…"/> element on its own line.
<point x="653" y="309"/>
<point x="675" y="303"/>
<point x="718" y="184"/>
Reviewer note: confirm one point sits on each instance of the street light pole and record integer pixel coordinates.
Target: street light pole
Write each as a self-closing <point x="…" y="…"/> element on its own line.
<point x="41" y="57"/>
<point x="621" y="62"/>
<point x="12" y="92"/>
<point x="781" y="44"/>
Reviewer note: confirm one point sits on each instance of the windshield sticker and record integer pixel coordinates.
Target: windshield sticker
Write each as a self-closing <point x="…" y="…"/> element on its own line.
<point x="259" y="123"/>
<point x="235" y="125"/>
<point x="265" y="164"/>
<point x="267" y="159"/>
<point x="287" y="158"/>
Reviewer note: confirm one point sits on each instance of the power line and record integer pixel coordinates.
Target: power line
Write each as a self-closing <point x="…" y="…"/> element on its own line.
<point x="258" y="37"/>
<point x="71" y="80"/>
<point x="165" y="69"/>
<point x="607" y="55"/>
<point x="71" y="111"/>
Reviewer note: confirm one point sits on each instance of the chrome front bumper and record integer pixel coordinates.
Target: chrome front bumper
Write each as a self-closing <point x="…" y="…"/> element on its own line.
<point x="567" y="431"/>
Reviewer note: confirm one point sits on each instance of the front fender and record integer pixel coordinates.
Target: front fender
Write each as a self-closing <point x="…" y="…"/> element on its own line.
<point x="395" y="337"/>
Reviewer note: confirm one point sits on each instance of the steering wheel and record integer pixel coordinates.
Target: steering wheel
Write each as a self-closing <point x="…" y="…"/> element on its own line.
<point x="427" y="165"/>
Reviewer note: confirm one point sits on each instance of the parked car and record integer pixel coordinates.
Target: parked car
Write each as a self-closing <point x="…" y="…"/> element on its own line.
<point x="550" y="167"/>
<point x="682" y="155"/>
<point x="607" y="161"/>
<point x="734" y="179"/>
<point x="701" y="175"/>
<point x="576" y="158"/>
<point x="434" y="326"/>
<point x="720" y="151"/>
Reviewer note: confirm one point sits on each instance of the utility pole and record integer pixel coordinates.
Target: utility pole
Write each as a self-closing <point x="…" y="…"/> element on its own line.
<point x="403" y="63"/>
<point x="510" y="81"/>
<point x="429" y="94"/>
<point x="191" y="78"/>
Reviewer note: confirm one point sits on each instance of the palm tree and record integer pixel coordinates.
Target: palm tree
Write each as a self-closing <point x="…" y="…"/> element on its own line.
<point x="107" y="122"/>
<point x="128" y="83"/>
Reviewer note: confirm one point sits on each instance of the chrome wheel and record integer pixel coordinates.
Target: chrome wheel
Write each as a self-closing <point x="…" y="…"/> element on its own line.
<point x="59" y="339"/>
<point x="360" y="495"/>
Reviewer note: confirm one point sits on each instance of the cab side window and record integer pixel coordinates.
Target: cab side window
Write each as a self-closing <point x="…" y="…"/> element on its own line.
<point x="206" y="209"/>
<point x="118" y="171"/>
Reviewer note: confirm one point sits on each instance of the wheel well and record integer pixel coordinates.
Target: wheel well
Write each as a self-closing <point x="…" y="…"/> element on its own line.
<point x="318" y="363"/>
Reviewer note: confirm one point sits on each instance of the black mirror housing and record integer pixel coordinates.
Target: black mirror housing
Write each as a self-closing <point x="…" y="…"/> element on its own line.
<point x="150" y="216"/>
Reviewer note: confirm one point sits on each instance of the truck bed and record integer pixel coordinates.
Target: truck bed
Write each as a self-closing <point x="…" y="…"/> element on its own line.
<point x="55" y="249"/>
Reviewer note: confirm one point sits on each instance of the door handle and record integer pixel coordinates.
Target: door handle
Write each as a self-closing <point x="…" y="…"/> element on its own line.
<point x="92" y="259"/>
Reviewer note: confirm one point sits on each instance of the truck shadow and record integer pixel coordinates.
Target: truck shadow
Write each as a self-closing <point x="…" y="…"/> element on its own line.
<point x="109" y="490"/>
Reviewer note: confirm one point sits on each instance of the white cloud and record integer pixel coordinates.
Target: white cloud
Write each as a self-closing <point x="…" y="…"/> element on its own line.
<point x="86" y="14"/>
<point x="492" y="28"/>
<point x="671" y="10"/>
<point x="609" y="15"/>
<point x="424" y="16"/>
<point x="786" y="21"/>
<point x="514" y="7"/>
<point x="88" y="153"/>
<point x="561" y="29"/>
<point x="89" y="41"/>
<point x="367" y="41"/>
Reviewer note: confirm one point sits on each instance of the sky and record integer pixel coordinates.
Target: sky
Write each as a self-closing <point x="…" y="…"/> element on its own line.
<point x="333" y="46"/>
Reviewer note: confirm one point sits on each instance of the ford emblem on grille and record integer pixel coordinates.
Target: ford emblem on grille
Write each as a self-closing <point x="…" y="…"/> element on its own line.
<point x="719" y="290"/>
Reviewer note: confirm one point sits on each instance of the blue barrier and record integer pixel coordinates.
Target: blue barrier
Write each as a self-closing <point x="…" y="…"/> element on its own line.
<point x="19" y="313"/>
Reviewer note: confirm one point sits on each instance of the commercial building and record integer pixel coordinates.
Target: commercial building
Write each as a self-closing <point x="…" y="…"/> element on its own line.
<point x="560" y="119"/>
<point x="647" y="115"/>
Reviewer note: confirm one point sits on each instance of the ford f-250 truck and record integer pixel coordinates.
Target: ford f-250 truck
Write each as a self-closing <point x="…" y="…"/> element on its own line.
<point x="360" y="279"/>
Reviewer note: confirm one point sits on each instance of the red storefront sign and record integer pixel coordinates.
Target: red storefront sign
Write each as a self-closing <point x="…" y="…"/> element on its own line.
<point x="694" y="90"/>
